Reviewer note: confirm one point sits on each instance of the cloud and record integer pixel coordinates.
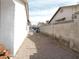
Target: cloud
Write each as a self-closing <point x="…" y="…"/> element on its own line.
<point x="41" y="4"/>
<point x="41" y="16"/>
<point x="48" y="4"/>
<point x="37" y="19"/>
<point x="42" y="10"/>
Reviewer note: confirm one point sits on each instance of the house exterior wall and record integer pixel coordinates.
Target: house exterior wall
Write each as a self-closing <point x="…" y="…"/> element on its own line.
<point x="13" y="23"/>
<point x="20" y="24"/>
<point x="7" y="23"/>
<point x="65" y="12"/>
<point x="69" y="31"/>
<point x="0" y="10"/>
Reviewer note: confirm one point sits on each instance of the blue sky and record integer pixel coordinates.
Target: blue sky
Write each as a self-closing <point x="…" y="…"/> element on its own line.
<point x="42" y="10"/>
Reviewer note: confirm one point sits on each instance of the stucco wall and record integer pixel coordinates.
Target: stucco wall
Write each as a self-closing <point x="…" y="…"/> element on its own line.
<point x="13" y="23"/>
<point x="20" y="24"/>
<point x="7" y="23"/>
<point x="0" y="10"/>
<point x="68" y="31"/>
<point x="47" y="29"/>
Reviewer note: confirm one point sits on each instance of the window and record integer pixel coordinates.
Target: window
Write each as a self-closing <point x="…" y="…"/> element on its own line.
<point x="60" y="20"/>
<point x="77" y="12"/>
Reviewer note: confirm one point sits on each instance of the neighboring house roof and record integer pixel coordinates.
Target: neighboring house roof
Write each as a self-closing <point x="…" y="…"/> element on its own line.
<point x="54" y="15"/>
<point x="59" y="10"/>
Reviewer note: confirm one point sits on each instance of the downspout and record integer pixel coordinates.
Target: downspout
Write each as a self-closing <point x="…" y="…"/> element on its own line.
<point x="27" y="12"/>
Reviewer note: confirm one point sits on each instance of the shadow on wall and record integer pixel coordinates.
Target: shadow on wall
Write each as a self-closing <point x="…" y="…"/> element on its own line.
<point x="49" y="49"/>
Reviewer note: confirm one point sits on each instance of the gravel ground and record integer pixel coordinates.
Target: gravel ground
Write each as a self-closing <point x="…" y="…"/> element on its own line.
<point x="39" y="46"/>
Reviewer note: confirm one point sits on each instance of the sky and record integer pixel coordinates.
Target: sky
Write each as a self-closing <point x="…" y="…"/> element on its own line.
<point x="43" y="10"/>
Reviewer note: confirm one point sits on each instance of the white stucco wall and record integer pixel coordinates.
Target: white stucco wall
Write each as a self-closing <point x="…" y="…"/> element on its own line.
<point x="20" y="23"/>
<point x="13" y="23"/>
<point x="7" y="23"/>
<point x="0" y="10"/>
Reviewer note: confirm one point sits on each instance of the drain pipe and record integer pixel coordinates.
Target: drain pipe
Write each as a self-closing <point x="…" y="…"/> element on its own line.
<point x="27" y="12"/>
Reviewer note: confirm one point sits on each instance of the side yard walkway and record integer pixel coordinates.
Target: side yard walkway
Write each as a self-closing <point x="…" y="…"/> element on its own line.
<point x="39" y="46"/>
